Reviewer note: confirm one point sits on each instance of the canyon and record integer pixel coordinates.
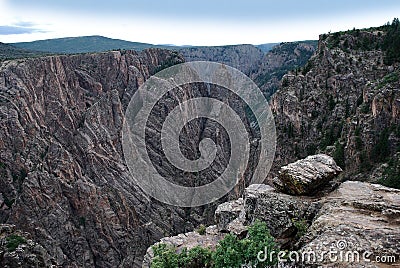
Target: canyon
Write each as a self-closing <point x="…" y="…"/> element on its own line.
<point x="67" y="193"/>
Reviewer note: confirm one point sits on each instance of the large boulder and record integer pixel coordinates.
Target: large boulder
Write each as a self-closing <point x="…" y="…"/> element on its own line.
<point x="306" y="176"/>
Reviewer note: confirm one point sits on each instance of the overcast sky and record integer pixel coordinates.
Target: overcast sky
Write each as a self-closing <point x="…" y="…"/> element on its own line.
<point x="186" y="22"/>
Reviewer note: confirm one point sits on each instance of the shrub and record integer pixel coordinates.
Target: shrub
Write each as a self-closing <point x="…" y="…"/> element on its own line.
<point x="365" y="164"/>
<point x="381" y="149"/>
<point x="232" y="252"/>
<point x="391" y="175"/>
<point x="331" y="102"/>
<point x="198" y="257"/>
<point x="358" y="142"/>
<point x="365" y="108"/>
<point x="307" y="68"/>
<point x="13" y="241"/>
<point x="391" y="43"/>
<point x="301" y="227"/>
<point x="202" y="229"/>
<point x="339" y="155"/>
<point x="229" y="252"/>
<point x="165" y="257"/>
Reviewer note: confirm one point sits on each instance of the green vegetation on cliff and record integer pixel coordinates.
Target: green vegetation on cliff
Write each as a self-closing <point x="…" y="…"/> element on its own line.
<point x="230" y="252"/>
<point x="9" y="52"/>
<point x="385" y="38"/>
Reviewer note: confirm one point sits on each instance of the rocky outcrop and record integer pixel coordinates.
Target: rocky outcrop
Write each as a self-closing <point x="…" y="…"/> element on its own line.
<point x="354" y="225"/>
<point x="306" y="176"/>
<point x="279" y="211"/>
<point x="357" y="217"/>
<point x="227" y="212"/>
<point x="342" y="103"/>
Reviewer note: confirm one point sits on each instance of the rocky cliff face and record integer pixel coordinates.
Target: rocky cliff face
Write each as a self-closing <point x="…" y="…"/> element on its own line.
<point x="344" y="102"/>
<point x="281" y="59"/>
<point x="265" y="69"/>
<point x="64" y="180"/>
<point x="63" y="177"/>
<point x="246" y="58"/>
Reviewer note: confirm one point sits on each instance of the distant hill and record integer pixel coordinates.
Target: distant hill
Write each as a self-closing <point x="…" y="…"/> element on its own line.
<point x="246" y="58"/>
<point x="83" y="44"/>
<point x="9" y="52"/>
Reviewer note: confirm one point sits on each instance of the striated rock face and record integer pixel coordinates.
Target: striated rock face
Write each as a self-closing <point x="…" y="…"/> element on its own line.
<point x="246" y="58"/>
<point x="281" y="59"/>
<point x="63" y="175"/>
<point x="308" y="175"/>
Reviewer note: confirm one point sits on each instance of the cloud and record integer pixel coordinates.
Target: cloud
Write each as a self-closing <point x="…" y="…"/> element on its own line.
<point x="26" y="24"/>
<point x="22" y="27"/>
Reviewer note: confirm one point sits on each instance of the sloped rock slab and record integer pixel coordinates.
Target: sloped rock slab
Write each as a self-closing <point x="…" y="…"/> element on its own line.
<point x="357" y="217"/>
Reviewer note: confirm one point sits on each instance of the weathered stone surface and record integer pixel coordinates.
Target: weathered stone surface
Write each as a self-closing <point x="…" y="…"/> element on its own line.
<point x="306" y="176"/>
<point x="278" y="210"/>
<point x="227" y="212"/>
<point x="357" y="217"/>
